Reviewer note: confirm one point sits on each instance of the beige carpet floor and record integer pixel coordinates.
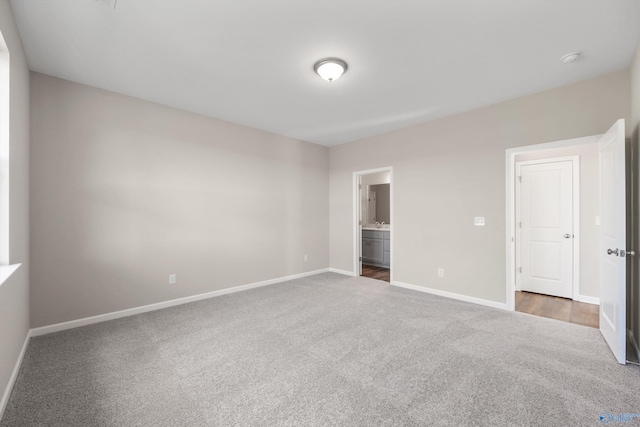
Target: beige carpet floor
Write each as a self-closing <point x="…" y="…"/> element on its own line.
<point x="323" y="350"/>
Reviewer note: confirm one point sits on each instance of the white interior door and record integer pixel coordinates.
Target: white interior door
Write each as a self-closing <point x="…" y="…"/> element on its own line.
<point x="613" y="240"/>
<point x="546" y="228"/>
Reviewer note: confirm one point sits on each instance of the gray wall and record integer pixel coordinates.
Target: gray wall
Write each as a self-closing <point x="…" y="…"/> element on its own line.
<point x="589" y="280"/>
<point x="14" y="293"/>
<point x="633" y="317"/>
<point x="125" y="192"/>
<point x="447" y="171"/>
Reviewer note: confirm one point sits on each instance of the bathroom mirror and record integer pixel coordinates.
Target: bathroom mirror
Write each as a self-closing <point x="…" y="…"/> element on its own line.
<point x="379" y="204"/>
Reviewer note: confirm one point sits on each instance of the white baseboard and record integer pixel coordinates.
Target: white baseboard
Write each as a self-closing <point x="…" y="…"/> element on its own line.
<point x="165" y="304"/>
<point x="344" y="272"/>
<point x="589" y="300"/>
<point x="460" y="297"/>
<point x="14" y="376"/>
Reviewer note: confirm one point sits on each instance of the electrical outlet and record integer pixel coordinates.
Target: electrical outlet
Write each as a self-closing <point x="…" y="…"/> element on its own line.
<point x="172" y="279"/>
<point x="306" y="258"/>
<point x="441" y="272"/>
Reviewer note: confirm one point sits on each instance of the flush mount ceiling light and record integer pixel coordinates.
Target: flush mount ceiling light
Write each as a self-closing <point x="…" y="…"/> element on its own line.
<point x="330" y="69"/>
<point x="570" y="57"/>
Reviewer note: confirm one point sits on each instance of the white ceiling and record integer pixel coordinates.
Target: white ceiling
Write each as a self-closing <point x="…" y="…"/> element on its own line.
<point x="251" y="61"/>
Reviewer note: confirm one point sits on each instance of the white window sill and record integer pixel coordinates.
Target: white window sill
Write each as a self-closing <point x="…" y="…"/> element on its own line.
<point x="6" y="271"/>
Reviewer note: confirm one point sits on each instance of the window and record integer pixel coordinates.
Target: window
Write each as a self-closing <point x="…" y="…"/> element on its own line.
<point x="4" y="151"/>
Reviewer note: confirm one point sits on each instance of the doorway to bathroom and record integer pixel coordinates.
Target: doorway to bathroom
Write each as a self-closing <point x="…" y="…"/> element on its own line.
<point x="373" y="223"/>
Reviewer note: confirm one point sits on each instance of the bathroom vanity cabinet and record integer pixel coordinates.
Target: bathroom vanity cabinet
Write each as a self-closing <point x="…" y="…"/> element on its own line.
<point x="376" y="248"/>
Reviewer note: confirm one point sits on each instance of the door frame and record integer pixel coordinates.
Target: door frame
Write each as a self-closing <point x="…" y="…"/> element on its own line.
<point x="357" y="207"/>
<point x="510" y="205"/>
<point x="575" y="192"/>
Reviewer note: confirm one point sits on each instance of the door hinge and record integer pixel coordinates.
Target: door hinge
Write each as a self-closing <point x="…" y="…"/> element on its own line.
<point x="520" y="224"/>
<point x="519" y="269"/>
<point x="520" y="179"/>
<point x="360" y="259"/>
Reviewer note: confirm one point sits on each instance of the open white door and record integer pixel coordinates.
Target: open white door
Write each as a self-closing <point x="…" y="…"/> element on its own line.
<point x="613" y="240"/>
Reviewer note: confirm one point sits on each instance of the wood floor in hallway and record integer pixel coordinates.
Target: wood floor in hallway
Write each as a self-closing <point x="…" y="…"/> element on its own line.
<point x="528" y="302"/>
<point x="558" y="308"/>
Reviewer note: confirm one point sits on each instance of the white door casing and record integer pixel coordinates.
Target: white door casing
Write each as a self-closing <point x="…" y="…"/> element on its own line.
<point x="512" y="232"/>
<point x="545" y="195"/>
<point x="613" y="240"/>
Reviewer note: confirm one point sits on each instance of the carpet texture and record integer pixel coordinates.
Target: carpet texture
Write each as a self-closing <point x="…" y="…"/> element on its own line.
<point x="323" y="350"/>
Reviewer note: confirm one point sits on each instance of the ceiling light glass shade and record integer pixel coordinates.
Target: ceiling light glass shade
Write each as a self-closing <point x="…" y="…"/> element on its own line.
<point x="570" y="57"/>
<point x="330" y="69"/>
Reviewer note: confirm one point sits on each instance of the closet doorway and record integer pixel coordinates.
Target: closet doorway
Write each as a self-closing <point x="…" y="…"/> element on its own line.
<point x="555" y="244"/>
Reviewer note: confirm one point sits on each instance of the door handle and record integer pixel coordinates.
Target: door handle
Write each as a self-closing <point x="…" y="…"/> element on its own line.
<point x="611" y="251"/>
<point x="566" y="236"/>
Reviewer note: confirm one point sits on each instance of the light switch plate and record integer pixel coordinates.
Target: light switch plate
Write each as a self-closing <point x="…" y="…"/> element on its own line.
<point x="478" y="221"/>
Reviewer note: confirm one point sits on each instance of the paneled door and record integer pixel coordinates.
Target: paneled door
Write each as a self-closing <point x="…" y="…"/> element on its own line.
<point x="613" y="241"/>
<point x="546" y="227"/>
